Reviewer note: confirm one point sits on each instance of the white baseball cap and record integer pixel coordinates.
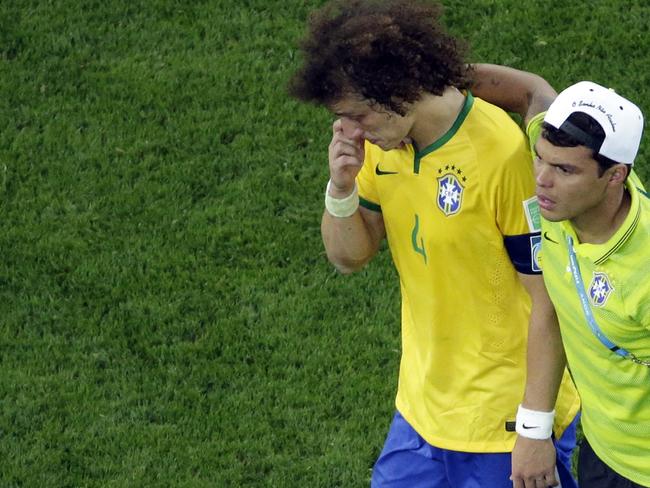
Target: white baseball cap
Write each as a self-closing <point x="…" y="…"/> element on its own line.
<point x="621" y="120"/>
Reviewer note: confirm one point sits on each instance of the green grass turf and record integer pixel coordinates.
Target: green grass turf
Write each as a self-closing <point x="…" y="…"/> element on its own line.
<point x="167" y="315"/>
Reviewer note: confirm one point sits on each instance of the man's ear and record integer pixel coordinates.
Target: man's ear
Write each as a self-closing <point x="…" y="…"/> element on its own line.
<point x="618" y="173"/>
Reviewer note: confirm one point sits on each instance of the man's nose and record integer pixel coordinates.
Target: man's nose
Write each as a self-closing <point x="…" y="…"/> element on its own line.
<point x="349" y="126"/>
<point x="543" y="175"/>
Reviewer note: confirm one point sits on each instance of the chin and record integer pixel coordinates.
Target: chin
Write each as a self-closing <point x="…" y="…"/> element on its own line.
<point x="386" y="146"/>
<point x="551" y="216"/>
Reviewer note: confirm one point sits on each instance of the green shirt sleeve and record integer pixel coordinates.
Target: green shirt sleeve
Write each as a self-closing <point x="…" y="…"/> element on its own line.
<point x="534" y="129"/>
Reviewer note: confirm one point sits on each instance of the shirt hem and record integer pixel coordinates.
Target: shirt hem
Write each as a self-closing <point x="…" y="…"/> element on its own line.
<point x="459" y="446"/>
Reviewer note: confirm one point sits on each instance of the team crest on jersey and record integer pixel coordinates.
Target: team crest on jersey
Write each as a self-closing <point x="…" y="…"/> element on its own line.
<point x="600" y="289"/>
<point x="450" y="191"/>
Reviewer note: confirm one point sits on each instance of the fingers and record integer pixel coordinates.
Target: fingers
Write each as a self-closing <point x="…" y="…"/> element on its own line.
<point x="337" y="126"/>
<point x="343" y="147"/>
<point x="517" y="482"/>
<point x="346" y="155"/>
<point x="533" y="463"/>
<point x="354" y="143"/>
<point x="546" y="482"/>
<point x="345" y="160"/>
<point x="551" y="480"/>
<point x="534" y="482"/>
<point x="539" y="481"/>
<point x="349" y="149"/>
<point x="355" y="140"/>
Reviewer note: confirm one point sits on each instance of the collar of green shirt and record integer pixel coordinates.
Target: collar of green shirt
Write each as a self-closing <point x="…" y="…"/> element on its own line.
<point x="599" y="253"/>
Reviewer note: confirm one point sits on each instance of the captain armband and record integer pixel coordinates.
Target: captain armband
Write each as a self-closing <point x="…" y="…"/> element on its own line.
<point x="534" y="424"/>
<point x="524" y="252"/>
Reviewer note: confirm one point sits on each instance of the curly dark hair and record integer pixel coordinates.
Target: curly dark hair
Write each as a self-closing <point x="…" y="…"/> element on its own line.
<point x="388" y="51"/>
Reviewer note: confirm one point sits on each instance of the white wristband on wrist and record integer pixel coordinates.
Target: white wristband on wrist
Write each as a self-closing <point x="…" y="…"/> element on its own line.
<point x="534" y="424"/>
<point x="341" y="207"/>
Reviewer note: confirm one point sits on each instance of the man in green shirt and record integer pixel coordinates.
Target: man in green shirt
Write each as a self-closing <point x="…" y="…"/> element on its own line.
<point x="595" y="259"/>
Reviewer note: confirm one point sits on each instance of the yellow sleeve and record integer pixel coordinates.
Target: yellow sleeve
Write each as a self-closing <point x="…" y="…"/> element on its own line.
<point x="366" y="184"/>
<point x="517" y="212"/>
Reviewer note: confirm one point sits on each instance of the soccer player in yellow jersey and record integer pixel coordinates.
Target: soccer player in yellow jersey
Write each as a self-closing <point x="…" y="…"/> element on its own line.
<point x="595" y="260"/>
<point x="446" y="179"/>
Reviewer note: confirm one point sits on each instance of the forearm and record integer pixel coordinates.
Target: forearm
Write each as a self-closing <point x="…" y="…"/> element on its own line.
<point x="521" y="92"/>
<point x="533" y="457"/>
<point x="545" y="359"/>
<point x="545" y="356"/>
<point x="349" y="242"/>
<point x="351" y="233"/>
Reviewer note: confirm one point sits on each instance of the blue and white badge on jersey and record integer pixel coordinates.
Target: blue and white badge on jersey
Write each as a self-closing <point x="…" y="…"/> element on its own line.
<point x="535" y="249"/>
<point x="600" y="289"/>
<point x="450" y="194"/>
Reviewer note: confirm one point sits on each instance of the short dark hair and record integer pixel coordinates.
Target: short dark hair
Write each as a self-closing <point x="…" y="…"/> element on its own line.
<point x="587" y="124"/>
<point x="388" y="51"/>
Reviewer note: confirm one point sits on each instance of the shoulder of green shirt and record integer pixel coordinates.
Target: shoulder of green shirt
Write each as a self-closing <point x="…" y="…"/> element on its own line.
<point x="534" y="129"/>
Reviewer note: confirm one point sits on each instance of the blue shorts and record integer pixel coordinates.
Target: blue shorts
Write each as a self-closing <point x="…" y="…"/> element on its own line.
<point x="408" y="461"/>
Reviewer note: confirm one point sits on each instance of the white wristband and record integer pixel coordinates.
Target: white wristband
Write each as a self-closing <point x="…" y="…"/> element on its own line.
<point x="341" y="207"/>
<point x="534" y="424"/>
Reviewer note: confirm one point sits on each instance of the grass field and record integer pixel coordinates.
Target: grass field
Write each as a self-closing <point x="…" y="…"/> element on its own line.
<point x="167" y="315"/>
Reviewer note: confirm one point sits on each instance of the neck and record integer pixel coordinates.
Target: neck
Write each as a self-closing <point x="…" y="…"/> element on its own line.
<point x="601" y="223"/>
<point x="435" y="115"/>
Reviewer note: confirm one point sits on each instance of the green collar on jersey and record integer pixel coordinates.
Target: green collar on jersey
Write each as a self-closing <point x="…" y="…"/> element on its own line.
<point x="598" y="253"/>
<point x="469" y="101"/>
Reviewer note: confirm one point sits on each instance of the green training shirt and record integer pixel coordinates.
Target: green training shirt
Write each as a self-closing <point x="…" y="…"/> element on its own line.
<point x="615" y="392"/>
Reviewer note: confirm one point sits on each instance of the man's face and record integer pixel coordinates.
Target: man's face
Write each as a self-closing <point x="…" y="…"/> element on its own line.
<point x="568" y="184"/>
<point x="385" y="129"/>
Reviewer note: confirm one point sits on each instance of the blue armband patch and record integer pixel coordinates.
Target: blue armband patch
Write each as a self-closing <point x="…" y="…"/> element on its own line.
<point x="524" y="252"/>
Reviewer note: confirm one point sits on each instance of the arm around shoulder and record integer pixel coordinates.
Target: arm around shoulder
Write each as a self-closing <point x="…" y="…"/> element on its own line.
<point x="521" y="92"/>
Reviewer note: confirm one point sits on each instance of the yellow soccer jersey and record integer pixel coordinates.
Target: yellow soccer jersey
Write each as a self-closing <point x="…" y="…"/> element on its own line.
<point x="447" y="210"/>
